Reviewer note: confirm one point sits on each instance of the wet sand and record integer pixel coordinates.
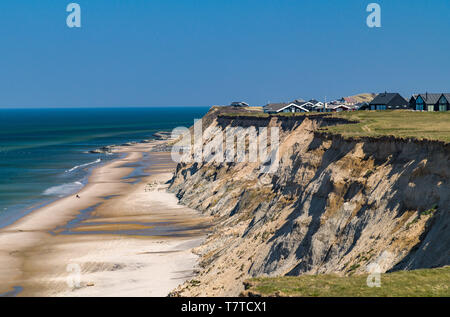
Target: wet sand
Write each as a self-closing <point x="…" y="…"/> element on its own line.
<point x="125" y="236"/>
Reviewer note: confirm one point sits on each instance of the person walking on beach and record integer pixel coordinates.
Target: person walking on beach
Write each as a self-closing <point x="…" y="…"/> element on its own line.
<point x="78" y="196"/>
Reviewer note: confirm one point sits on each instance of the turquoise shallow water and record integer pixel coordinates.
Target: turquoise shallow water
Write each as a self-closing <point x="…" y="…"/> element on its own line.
<point x="43" y="152"/>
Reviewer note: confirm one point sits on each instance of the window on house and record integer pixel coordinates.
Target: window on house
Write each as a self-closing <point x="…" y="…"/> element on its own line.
<point x="419" y="104"/>
<point x="430" y="107"/>
<point x="443" y="104"/>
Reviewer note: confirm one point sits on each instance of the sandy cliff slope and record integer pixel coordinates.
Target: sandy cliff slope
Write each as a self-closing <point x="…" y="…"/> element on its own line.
<point x="334" y="205"/>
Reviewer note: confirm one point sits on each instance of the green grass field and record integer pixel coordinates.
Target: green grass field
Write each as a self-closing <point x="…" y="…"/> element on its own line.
<point x="418" y="283"/>
<point x="398" y="123"/>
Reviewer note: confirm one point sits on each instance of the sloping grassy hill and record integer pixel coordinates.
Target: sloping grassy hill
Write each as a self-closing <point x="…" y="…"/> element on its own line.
<point x="364" y="97"/>
<point x="418" y="283"/>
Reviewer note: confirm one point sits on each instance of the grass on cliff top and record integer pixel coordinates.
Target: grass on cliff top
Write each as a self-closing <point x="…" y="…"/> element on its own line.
<point x="398" y="123"/>
<point x="261" y="114"/>
<point x="417" y="283"/>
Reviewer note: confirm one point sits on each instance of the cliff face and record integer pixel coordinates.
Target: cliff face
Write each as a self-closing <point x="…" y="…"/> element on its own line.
<point x="334" y="205"/>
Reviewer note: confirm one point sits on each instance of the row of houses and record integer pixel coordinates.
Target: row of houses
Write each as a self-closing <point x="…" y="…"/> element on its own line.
<point x="300" y="105"/>
<point x="430" y="102"/>
<point x="382" y="101"/>
<point x="418" y="102"/>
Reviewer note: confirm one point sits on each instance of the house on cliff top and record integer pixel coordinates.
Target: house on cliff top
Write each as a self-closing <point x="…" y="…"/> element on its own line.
<point x="432" y="102"/>
<point x="284" y="107"/>
<point x="388" y="101"/>
<point x="239" y="104"/>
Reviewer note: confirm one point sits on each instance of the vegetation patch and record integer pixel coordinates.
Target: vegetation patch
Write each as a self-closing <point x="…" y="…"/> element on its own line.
<point x="430" y="211"/>
<point x="398" y="123"/>
<point x="425" y="213"/>
<point x="265" y="236"/>
<point x="354" y="267"/>
<point x="417" y="283"/>
<point x="195" y="282"/>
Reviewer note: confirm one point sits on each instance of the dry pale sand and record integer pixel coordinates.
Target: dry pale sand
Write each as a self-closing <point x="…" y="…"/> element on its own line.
<point x="125" y="236"/>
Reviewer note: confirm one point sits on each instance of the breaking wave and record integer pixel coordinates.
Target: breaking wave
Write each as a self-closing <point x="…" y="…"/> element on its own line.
<point x="64" y="189"/>
<point x="83" y="165"/>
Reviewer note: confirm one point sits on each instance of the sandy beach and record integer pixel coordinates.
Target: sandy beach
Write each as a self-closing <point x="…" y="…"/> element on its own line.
<point x="125" y="235"/>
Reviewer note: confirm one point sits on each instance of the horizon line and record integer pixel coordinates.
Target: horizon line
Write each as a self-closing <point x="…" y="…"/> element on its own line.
<point x="101" y="107"/>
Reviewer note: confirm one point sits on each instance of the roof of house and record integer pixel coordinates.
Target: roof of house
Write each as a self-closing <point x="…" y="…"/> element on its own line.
<point x="280" y="106"/>
<point x="384" y="98"/>
<point x="304" y="103"/>
<point x="239" y="103"/>
<point x="364" y="105"/>
<point x="430" y="99"/>
<point x="275" y="106"/>
<point x="340" y="106"/>
<point x="304" y="107"/>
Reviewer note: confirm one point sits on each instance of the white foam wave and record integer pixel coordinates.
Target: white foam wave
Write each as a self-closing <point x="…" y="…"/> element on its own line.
<point x="64" y="189"/>
<point x="83" y="165"/>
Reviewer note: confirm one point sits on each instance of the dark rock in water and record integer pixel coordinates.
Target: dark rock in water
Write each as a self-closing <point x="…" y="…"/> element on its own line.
<point x="163" y="135"/>
<point x="129" y="143"/>
<point x="102" y="150"/>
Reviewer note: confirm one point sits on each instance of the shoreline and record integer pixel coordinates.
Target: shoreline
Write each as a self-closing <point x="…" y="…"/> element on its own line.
<point x="42" y="202"/>
<point x="123" y="227"/>
<point x="16" y="213"/>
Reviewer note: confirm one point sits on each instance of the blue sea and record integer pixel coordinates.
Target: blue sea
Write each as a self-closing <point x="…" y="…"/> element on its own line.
<point x="44" y="152"/>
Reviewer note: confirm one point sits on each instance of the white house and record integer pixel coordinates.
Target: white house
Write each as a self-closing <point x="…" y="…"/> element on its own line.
<point x="284" y="107"/>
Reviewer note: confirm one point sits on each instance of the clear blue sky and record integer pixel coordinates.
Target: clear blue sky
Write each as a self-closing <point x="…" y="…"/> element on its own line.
<point x="204" y="52"/>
